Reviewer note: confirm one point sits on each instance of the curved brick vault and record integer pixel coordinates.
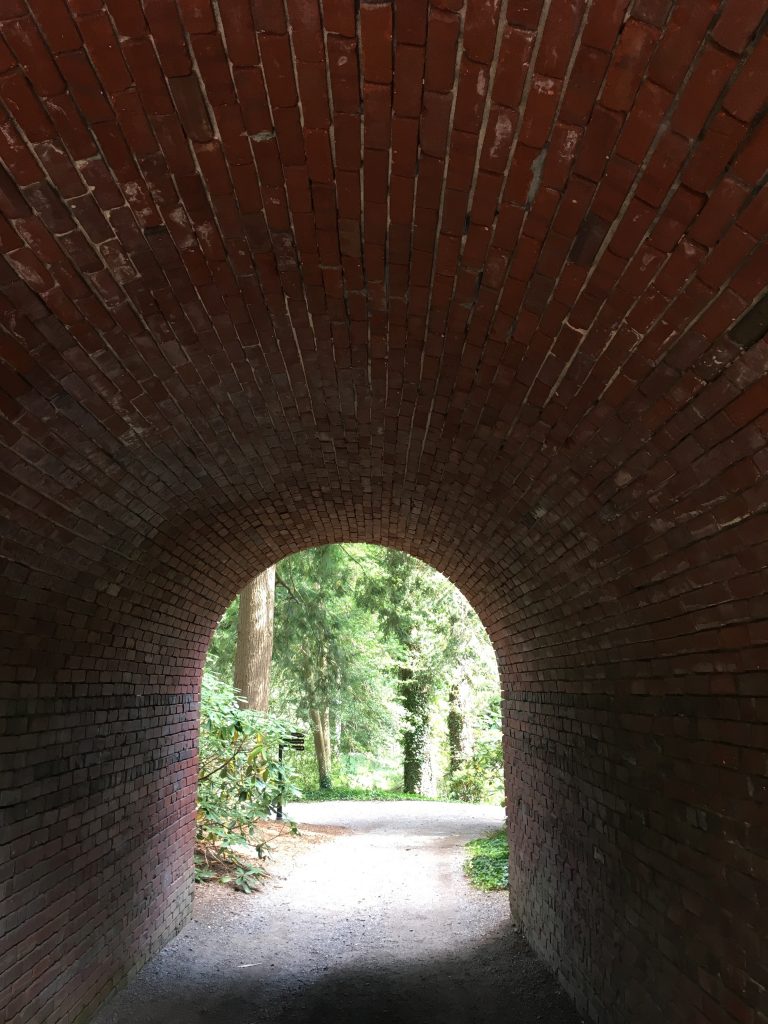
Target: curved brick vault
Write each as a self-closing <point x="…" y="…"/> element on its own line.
<point x="483" y="280"/>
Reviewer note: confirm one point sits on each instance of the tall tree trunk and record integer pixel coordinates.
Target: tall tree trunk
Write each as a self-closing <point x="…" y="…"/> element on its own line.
<point x="460" y="736"/>
<point x="254" y="640"/>
<point x="415" y="732"/>
<point x="321" y="734"/>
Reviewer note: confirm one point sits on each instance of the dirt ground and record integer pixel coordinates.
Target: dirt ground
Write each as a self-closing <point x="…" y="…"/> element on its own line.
<point x="367" y="918"/>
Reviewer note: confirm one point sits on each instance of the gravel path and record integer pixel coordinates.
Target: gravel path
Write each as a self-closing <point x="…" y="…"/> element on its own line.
<point x="371" y="923"/>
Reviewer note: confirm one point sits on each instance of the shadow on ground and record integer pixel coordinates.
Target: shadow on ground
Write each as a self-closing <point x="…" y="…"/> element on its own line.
<point x="497" y="981"/>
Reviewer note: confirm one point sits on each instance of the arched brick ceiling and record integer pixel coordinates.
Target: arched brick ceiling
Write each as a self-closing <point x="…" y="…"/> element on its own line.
<point x="482" y="279"/>
<point x="466" y="277"/>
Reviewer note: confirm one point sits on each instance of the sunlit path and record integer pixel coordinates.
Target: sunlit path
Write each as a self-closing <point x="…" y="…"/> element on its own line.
<point x="376" y="924"/>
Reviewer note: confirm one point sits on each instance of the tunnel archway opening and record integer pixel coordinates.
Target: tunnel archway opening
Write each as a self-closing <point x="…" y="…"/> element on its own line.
<point x="363" y="640"/>
<point x="512" y="319"/>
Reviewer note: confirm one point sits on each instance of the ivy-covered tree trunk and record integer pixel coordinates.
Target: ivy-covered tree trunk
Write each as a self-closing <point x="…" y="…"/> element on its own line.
<point x="414" y="697"/>
<point x="253" y="656"/>
<point x="460" y="737"/>
<point x="321" y="733"/>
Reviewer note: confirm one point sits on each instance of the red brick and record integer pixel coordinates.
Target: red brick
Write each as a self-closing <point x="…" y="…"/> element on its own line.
<point x="442" y="39"/>
<point x="150" y="82"/>
<point x="678" y="214"/>
<point x="584" y="85"/>
<point x="520" y="174"/>
<point x="58" y="26"/>
<point x="752" y="277"/>
<point x="564" y="416"/>
<point x="377" y="115"/>
<point x="498" y="138"/>
<point x="512" y="68"/>
<point x="737" y="23"/>
<point x="755" y="215"/>
<point x="680" y="42"/>
<point x="277" y="61"/>
<point x="33" y="55"/>
<point x="645" y="118"/>
<point x="23" y="105"/>
<point x="560" y="156"/>
<point x="313" y="91"/>
<point x="306" y="29"/>
<point x="631" y="229"/>
<point x="720" y="209"/>
<point x="253" y="103"/>
<point x="127" y="16"/>
<point x="409" y="74"/>
<point x="168" y="35"/>
<point x="652" y="11"/>
<point x="635" y="45"/>
<point x="214" y="70"/>
<point x="750" y="91"/>
<point x="239" y="32"/>
<point x="559" y="36"/>
<point x="573" y="208"/>
<point x="470" y="96"/>
<point x="198" y="16"/>
<point x="750" y="163"/>
<point x="376" y="40"/>
<point x="524" y="13"/>
<point x="289" y="136"/>
<point x="714" y="153"/>
<point x="481" y="19"/>
<point x="435" y="121"/>
<point x="339" y="16"/>
<point x="104" y="51"/>
<point x="730" y="252"/>
<point x="405" y="133"/>
<point x="191" y="107"/>
<point x="85" y="87"/>
<point x="345" y="82"/>
<point x="411" y="23"/>
<point x="540" y="111"/>
<point x="701" y="91"/>
<point x="599" y="140"/>
<point x="663" y="168"/>
<point x="7" y="59"/>
<point x="604" y="20"/>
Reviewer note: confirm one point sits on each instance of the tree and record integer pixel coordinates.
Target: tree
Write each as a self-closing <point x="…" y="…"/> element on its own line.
<point x="330" y="664"/>
<point x="443" y="654"/>
<point x="460" y="733"/>
<point x="240" y="781"/>
<point x="406" y="593"/>
<point x="253" y="655"/>
<point x="374" y="650"/>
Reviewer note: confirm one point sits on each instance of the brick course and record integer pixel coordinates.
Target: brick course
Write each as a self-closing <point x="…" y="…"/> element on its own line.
<point x="481" y="280"/>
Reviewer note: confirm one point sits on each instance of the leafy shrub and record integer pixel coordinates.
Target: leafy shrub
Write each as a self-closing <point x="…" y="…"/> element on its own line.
<point x="479" y="778"/>
<point x="342" y="792"/>
<point x="240" y="781"/>
<point x="487" y="865"/>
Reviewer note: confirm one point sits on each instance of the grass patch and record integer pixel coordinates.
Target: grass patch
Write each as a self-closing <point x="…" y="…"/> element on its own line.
<point x="355" y="793"/>
<point x="487" y="863"/>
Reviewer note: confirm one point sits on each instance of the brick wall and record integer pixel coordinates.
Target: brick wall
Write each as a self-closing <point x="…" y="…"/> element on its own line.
<point x="482" y="279"/>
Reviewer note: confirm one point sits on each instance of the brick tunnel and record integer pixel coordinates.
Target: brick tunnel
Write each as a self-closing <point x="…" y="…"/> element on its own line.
<point x="484" y="280"/>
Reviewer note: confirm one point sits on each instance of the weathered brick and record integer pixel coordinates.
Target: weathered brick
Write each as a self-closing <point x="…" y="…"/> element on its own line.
<point x="529" y="333"/>
<point x="376" y="40"/>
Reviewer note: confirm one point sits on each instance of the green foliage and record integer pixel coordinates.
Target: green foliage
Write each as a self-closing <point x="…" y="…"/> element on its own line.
<point x="479" y="778"/>
<point x="368" y="644"/>
<point x="487" y="863"/>
<point x="220" y="660"/>
<point x="358" y="793"/>
<point x="328" y="650"/>
<point x="439" y="642"/>
<point x="240" y="781"/>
